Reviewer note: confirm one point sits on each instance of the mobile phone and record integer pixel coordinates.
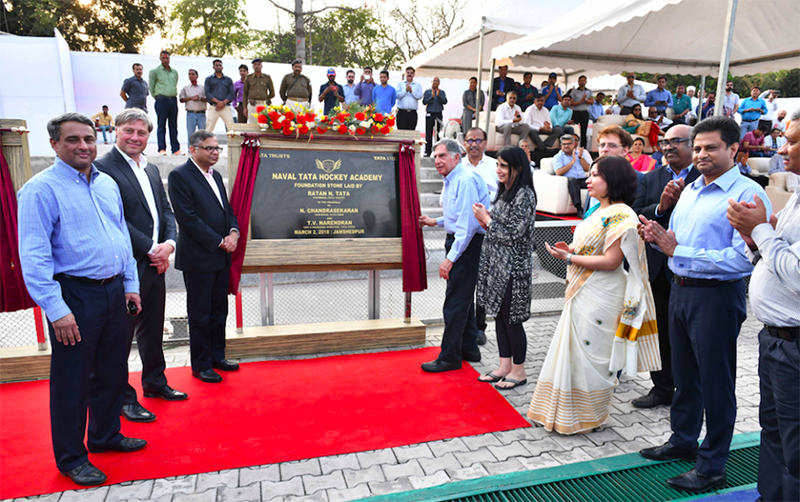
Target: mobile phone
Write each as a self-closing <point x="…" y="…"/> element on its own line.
<point x="132" y="308"/>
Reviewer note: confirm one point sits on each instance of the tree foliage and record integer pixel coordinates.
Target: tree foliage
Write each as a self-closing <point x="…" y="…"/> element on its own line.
<point x="102" y="25"/>
<point x="411" y="29"/>
<point x="211" y="27"/>
<point x="787" y="81"/>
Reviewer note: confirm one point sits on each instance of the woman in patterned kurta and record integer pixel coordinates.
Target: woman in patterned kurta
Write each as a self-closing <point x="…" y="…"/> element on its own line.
<point x="504" y="273"/>
<point x="608" y="322"/>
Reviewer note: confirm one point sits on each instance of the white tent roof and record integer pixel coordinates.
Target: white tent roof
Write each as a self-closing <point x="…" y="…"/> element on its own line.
<point x="659" y="36"/>
<point x="457" y="55"/>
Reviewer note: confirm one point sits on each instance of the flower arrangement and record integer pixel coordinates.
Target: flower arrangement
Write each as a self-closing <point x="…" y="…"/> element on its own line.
<point x="353" y="120"/>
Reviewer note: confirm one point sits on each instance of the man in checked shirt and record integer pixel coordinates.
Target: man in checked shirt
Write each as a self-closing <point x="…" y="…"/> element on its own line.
<point x="774" y="248"/>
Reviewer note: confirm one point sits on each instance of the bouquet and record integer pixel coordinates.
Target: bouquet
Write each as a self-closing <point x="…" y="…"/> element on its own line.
<point x="353" y="120"/>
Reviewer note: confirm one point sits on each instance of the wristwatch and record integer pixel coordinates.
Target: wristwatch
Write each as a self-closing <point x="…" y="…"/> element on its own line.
<point x="569" y="259"/>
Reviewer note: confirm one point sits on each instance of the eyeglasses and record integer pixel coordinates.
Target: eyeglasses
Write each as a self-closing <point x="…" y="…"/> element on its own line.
<point x="211" y="149"/>
<point x="674" y="143"/>
<point x="610" y="146"/>
<point x="476" y="141"/>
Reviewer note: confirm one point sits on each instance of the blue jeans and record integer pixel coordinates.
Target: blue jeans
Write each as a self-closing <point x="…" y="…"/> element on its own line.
<point x="194" y="121"/>
<point x="167" y="110"/>
<point x="105" y="129"/>
<point x="747" y="127"/>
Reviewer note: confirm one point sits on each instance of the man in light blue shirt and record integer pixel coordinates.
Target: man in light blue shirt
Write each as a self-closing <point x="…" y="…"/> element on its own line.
<point x="78" y="265"/>
<point x="752" y="109"/>
<point x="463" y="251"/>
<point x="596" y="110"/>
<point x="408" y="95"/>
<point x="707" y="305"/>
<point x="573" y="163"/>
<point x="561" y="115"/>
<point x="659" y="97"/>
<point x="384" y="96"/>
<point x="350" y="88"/>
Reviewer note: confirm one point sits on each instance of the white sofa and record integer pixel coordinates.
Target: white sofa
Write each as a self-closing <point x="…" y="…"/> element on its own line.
<point x="777" y="190"/>
<point x="551" y="191"/>
<point x="496" y="139"/>
<point x="608" y="120"/>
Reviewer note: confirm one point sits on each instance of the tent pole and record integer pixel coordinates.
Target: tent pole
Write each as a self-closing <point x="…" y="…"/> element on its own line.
<point x="566" y="81"/>
<point x="489" y="98"/>
<point x="700" y="94"/>
<point x="477" y="114"/>
<point x="725" y="58"/>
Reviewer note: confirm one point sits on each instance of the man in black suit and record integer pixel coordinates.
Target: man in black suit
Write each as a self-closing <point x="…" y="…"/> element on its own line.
<point x="151" y="225"/>
<point x="656" y="196"/>
<point x="501" y="86"/>
<point x="209" y="234"/>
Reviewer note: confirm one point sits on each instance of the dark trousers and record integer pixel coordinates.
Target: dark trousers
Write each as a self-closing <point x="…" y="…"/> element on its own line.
<point x="167" y="111"/>
<point x="432" y="119"/>
<point x="704" y="324"/>
<point x="148" y="328"/>
<point x="90" y="374"/>
<point x="207" y="308"/>
<point x="241" y="113"/>
<point x="582" y="118"/>
<point x="574" y="187"/>
<point x="763" y="181"/>
<point x="407" y="119"/>
<point x="779" y="415"/>
<point x="480" y="317"/>
<point x="460" y="330"/>
<point x="663" y="385"/>
<point x="511" y="339"/>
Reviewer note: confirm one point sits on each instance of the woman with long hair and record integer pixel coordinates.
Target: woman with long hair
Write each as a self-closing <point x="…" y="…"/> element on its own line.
<point x="638" y="159"/>
<point x="636" y="124"/>
<point x="609" y="320"/>
<point x="506" y="266"/>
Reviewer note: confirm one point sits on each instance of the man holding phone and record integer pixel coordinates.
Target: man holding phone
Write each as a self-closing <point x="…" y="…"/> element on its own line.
<point x="363" y="90"/>
<point x="509" y="119"/>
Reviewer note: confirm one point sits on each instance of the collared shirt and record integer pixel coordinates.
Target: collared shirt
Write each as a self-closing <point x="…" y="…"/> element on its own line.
<point x="596" y="111"/>
<point x="137" y="91"/>
<point x="536" y="118"/>
<point x="219" y="88"/>
<point x="238" y="93"/>
<point x="505" y="114"/>
<point x="577" y="95"/>
<point x="149" y="194"/>
<point x="350" y="93"/>
<point x="772" y="107"/>
<point x="752" y="140"/>
<point x="526" y="96"/>
<point x="164" y="82"/>
<point x="408" y="100"/>
<point x="560" y="116"/>
<point x="561" y="159"/>
<point x="209" y="176"/>
<point x="330" y="100"/>
<point x="463" y="190"/>
<point x="189" y="91"/>
<point x="67" y="225"/>
<point x="708" y="246"/>
<point x="681" y="104"/>
<point x="384" y="98"/>
<point x="730" y="104"/>
<point x="753" y="103"/>
<point x="258" y="87"/>
<point x="776" y="165"/>
<point x="774" y="143"/>
<point x="434" y="104"/>
<point x="638" y="95"/>
<point x="487" y="170"/>
<point x="299" y="89"/>
<point x="656" y="95"/>
<point x="104" y="120"/>
<point x="775" y="285"/>
<point x="363" y="91"/>
<point x="554" y="98"/>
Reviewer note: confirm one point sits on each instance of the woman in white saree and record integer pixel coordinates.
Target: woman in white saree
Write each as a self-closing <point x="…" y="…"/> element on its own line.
<point x="608" y="322"/>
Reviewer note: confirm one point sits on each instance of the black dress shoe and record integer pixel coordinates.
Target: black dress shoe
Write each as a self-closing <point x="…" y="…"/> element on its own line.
<point x="481" y="337"/>
<point x="438" y="366"/>
<point x="668" y="452"/>
<point x="86" y="475"/>
<point x="224" y="365"/>
<point x="207" y="376"/>
<point x="695" y="482"/>
<point x="127" y="445"/>
<point x="137" y="413"/>
<point x="473" y="357"/>
<point x="168" y="393"/>
<point x="650" y="401"/>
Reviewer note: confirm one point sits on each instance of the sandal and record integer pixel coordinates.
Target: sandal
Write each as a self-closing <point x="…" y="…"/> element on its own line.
<point x="516" y="383"/>
<point x="492" y="378"/>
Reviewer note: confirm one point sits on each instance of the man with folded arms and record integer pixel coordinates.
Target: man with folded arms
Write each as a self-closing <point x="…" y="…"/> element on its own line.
<point x="76" y="258"/>
<point x="151" y="225"/>
<point x="707" y="306"/>
<point x="775" y="298"/>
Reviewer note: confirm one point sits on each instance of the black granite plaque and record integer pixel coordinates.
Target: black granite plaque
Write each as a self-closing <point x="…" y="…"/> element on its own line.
<point x="312" y="194"/>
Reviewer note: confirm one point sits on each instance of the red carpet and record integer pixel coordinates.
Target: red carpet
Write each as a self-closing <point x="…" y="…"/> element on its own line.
<point x="267" y="412"/>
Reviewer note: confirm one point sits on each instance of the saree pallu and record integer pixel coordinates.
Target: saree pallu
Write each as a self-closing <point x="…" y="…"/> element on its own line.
<point x="646" y="128"/>
<point x="608" y="324"/>
<point x="644" y="163"/>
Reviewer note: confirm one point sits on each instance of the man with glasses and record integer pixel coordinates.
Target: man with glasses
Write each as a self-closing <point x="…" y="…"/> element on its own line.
<point x="208" y="235"/>
<point x="574" y="164"/>
<point x="538" y="119"/>
<point x="656" y="196"/>
<point x="630" y="94"/>
<point x="611" y="140"/>
<point x="509" y="119"/>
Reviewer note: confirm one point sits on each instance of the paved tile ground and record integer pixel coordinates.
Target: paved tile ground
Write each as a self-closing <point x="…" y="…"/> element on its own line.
<point x="358" y="475"/>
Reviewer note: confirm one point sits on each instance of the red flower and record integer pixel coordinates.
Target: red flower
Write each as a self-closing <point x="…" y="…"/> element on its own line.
<point x="386" y="130"/>
<point x="324" y="119"/>
<point x="310" y="117"/>
<point x="361" y="131"/>
<point x="274" y="115"/>
<point x="301" y="119"/>
<point x="360" y="116"/>
<point x="289" y="115"/>
<point x="342" y="129"/>
<point x="341" y="117"/>
<point x="376" y="129"/>
<point x="276" y="126"/>
<point x="322" y="130"/>
<point x="390" y="122"/>
<point x="303" y="129"/>
<point x="260" y="108"/>
<point x="263" y="119"/>
<point x="287" y="130"/>
<point x="378" y="117"/>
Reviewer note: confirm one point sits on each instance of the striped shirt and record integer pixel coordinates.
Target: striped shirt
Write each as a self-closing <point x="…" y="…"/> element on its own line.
<point x="775" y="285"/>
<point x="67" y="225"/>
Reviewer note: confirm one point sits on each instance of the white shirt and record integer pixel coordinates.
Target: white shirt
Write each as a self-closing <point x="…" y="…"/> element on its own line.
<point x="487" y="170"/>
<point x="638" y="93"/>
<point x="772" y="108"/>
<point x="779" y="125"/>
<point x="149" y="195"/>
<point x="209" y="176"/>
<point x="730" y="103"/>
<point x="774" y="143"/>
<point x="536" y="118"/>
<point x="506" y="114"/>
